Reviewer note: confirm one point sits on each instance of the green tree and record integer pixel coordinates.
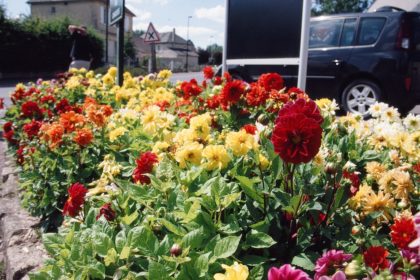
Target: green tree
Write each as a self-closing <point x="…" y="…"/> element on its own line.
<point x="129" y="47"/>
<point x="326" y="7"/>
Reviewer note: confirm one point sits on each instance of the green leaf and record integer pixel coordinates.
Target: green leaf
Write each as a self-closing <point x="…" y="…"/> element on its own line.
<point x="97" y="271"/>
<point x="194" y="239"/>
<point x="228" y="199"/>
<point x="144" y="239"/>
<point x="111" y="257"/>
<point x="157" y="271"/>
<point x="248" y="187"/>
<point x="303" y="261"/>
<point x="253" y="260"/>
<point x="257" y="273"/>
<point x="173" y="228"/>
<point x="52" y="242"/>
<point x="340" y="198"/>
<point x="192" y="212"/>
<point x="201" y="264"/>
<point x="226" y="247"/>
<point x="125" y="253"/>
<point x="259" y="240"/>
<point x="120" y="240"/>
<point x="128" y="220"/>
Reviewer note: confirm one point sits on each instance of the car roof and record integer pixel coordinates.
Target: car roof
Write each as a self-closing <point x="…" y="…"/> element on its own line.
<point x="369" y="14"/>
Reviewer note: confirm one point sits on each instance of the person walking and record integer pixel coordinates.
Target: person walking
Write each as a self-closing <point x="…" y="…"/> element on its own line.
<point x="81" y="51"/>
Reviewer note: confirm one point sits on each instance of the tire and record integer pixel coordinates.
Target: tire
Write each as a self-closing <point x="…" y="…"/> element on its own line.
<point x="359" y="95"/>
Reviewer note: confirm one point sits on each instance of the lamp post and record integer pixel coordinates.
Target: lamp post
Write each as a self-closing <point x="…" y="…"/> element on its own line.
<point x="106" y="31"/>
<point x="188" y="39"/>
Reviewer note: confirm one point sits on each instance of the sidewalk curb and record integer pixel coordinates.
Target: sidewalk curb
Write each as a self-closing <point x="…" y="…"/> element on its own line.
<point x="21" y="246"/>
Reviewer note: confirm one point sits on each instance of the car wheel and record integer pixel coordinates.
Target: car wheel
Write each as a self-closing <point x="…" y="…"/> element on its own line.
<point x="359" y="95"/>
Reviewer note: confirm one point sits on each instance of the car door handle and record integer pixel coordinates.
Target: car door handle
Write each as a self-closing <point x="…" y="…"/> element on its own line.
<point x="337" y="62"/>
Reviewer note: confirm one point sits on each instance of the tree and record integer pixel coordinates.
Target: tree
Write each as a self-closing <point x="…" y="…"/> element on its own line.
<point x="203" y="56"/>
<point x="323" y="7"/>
<point x="215" y="52"/>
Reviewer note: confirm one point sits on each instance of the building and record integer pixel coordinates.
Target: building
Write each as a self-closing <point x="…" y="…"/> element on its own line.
<point x="91" y="13"/>
<point x="171" y="51"/>
<point x="408" y="5"/>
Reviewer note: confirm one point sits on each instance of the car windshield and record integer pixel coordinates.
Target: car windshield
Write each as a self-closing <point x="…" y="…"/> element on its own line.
<point x="325" y="33"/>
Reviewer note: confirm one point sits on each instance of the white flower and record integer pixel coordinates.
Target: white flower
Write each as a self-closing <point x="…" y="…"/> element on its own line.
<point x="390" y="115"/>
<point x="412" y="122"/>
<point x="376" y="109"/>
<point x="349" y="166"/>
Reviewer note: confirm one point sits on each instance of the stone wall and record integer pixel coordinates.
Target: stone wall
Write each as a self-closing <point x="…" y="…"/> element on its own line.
<point x="21" y="248"/>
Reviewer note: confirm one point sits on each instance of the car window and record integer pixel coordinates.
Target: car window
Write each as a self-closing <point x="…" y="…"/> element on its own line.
<point x="370" y="28"/>
<point x="349" y="30"/>
<point x="325" y="33"/>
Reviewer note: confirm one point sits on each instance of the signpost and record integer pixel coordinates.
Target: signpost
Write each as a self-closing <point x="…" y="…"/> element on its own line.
<point x="117" y="12"/>
<point x="267" y="33"/>
<point x="152" y="36"/>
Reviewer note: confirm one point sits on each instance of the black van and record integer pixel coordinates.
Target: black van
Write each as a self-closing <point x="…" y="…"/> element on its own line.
<point x="357" y="59"/>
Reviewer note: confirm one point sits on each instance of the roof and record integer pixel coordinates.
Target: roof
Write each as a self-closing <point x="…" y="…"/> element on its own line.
<point x="30" y="2"/>
<point x="407" y="5"/>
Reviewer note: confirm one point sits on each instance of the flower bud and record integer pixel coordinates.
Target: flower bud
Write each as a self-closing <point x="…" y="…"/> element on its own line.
<point x="330" y="169"/>
<point x="355" y="230"/>
<point x="263" y="119"/>
<point x="176" y="250"/>
<point x="354" y="269"/>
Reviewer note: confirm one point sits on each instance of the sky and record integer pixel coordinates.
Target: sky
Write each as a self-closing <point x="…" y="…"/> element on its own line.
<point x="206" y="26"/>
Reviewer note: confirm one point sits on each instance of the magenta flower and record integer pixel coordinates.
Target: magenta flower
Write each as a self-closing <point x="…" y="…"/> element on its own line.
<point x="287" y="272"/>
<point x="330" y="262"/>
<point x="416" y="243"/>
<point x="339" y="275"/>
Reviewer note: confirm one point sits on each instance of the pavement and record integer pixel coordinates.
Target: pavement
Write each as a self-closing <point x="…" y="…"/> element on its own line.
<point x="8" y="86"/>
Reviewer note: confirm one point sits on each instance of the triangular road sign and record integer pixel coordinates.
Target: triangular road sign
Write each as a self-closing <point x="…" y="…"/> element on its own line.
<point x="151" y="35"/>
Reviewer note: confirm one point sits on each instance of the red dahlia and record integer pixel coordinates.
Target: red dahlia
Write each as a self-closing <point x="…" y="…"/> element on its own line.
<point x="31" y="109"/>
<point x="375" y="257"/>
<point x="302" y="106"/>
<point x="403" y="232"/>
<point x="145" y="165"/>
<point x="217" y="81"/>
<point x="83" y="137"/>
<point x="296" y="138"/>
<point x="257" y="95"/>
<point x="76" y="199"/>
<point x="190" y="89"/>
<point x="63" y="106"/>
<point x="355" y="181"/>
<point x="31" y="129"/>
<point x="271" y="81"/>
<point x="208" y="72"/>
<point x="232" y="92"/>
<point x="250" y="128"/>
<point x="48" y="99"/>
<point x="106" y="211"/>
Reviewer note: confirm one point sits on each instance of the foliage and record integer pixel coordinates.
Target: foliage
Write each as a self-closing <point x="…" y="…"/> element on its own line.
<point x="186" y="181"/>
<point x="326" y="7"/>
<point x="40" y="45"/>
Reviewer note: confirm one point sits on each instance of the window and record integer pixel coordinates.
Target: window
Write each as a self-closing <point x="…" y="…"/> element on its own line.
<point x="369" y="30"/>
<point x="349" y="30"/>
<point x="53" y="10"/>
<point x="325" y="33"/>
<point x="102" y="12"/>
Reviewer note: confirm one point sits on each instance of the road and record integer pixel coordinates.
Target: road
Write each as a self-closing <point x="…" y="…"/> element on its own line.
<point x="6" y="88"/>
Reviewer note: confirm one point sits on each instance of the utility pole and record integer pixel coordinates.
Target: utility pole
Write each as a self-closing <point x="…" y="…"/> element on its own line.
<point x="120" y="60"/>
<point x="106" y="31"/>
<point x="188" y="39"/>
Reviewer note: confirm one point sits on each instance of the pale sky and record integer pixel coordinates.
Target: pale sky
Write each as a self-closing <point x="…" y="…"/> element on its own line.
<point x="206" y="25"/>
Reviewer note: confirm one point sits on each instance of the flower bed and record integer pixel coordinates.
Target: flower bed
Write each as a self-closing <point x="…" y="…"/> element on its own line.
<point x="219" y="180"/>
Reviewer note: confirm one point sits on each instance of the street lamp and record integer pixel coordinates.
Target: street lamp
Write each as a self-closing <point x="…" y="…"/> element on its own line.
<point x="188" y="39"/>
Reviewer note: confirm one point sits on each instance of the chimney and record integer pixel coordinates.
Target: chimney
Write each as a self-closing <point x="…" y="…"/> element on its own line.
<point x="173" y="35"/>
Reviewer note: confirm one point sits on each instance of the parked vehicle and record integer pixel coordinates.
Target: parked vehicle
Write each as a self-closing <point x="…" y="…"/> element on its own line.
<point x="357" y="59"/>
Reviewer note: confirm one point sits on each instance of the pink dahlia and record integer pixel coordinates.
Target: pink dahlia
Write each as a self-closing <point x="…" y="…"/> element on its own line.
<point x="329" y="262"/>
<point x="287" y="272"/>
